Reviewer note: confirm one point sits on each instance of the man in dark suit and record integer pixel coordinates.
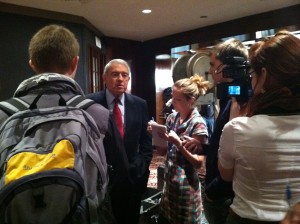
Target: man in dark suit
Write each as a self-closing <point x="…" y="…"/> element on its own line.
<point x="133" y="111"/>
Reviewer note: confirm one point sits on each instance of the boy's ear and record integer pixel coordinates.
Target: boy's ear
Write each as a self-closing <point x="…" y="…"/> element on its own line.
<point x="32" y="66"/>
<point x="73" y="69"/>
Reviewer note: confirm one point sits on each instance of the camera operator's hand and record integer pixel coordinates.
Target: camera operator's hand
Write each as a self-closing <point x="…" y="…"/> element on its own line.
<point x="234" y="108"/>
<point x="237" y="109"/>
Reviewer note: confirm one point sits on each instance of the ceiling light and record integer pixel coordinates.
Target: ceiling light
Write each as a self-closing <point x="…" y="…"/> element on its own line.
<point x="147" y="11"/>
<point x="162" y="57"/>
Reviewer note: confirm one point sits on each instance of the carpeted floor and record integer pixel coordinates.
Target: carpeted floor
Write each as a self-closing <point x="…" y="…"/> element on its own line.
<point x="155" y="163"/>
<point x="159" y="161"/>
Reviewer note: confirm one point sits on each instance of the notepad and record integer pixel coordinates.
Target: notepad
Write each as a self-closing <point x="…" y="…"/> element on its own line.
<point x="156" y="140"/>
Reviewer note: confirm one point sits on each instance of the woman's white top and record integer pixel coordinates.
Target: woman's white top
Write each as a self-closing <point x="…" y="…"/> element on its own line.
<point x="264" y="152"/>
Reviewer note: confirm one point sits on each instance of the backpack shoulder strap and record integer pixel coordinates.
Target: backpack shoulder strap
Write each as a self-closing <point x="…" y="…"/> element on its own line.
<point x="80" y="102"/>
<point x="13" y="105"/>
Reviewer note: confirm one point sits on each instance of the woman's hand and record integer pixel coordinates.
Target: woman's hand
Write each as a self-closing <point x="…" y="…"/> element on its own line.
<point x="174" y="138"/>
<point x="237" y="109"/>
<point x="234" y="108"/>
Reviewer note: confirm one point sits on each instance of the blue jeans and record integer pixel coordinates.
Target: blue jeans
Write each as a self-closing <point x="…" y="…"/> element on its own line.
<point x="216" y="212"/>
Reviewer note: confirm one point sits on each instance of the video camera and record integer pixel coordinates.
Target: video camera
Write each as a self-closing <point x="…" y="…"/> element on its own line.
<point x="238" y="70"/>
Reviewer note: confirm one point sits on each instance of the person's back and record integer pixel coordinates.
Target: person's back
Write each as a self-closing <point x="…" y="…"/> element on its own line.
<point x="267" y="152"/>
<point x="53" y="156"/>
<point x="53" y="53"/>
<point x="260" y="152"/>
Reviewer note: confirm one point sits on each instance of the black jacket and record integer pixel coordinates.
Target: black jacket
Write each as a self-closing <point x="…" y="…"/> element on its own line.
<point x="215" y="187"/>
<point x="137" y="141"/>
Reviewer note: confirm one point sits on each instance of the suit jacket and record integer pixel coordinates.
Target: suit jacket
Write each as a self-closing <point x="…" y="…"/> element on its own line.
<point x="137" y="140"/>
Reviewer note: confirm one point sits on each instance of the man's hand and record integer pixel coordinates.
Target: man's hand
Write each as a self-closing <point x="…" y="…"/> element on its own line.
<point x="192" y="145"/>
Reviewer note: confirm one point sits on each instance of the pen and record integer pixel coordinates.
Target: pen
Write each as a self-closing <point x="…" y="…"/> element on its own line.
<point x="288" y="195"/>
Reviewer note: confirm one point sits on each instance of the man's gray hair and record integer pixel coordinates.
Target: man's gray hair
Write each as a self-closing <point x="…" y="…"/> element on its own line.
<point x="116" y="61"/>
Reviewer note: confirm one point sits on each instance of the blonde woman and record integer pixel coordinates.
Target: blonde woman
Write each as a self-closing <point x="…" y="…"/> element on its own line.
<point x="181" y="197"/>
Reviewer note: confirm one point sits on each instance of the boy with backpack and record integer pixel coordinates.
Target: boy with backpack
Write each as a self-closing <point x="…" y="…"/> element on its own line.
<point x="53" y="141"/>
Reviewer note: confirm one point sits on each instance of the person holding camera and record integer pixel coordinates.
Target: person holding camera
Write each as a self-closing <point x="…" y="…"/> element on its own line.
<point x="260" y="152"/>
<point x="219" y="193"/>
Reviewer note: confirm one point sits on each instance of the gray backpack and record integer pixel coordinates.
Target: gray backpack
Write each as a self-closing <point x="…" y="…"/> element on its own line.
<point x="52" y="163"/>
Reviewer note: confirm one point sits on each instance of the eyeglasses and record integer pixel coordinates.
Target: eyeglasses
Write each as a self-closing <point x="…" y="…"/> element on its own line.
<point x="251" y="71"/>
<point x="217" y="70"/>
<point x="116" y="75"/>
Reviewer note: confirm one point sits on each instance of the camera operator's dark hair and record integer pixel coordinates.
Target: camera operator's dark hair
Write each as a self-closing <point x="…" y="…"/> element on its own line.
<point x="230" y="48"/>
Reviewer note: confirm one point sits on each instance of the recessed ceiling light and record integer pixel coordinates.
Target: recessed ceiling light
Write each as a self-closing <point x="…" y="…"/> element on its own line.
<point x="147" y="11"/>
<point x="163" y="57"/>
